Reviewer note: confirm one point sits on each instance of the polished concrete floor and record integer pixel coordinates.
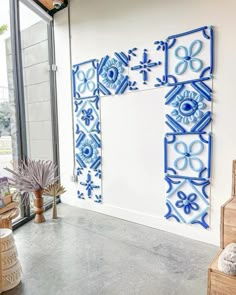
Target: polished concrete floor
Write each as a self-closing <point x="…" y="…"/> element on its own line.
<point x="86" y="253"/>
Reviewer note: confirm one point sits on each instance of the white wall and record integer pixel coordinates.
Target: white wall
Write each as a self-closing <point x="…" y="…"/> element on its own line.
<point x="132" y="124"/>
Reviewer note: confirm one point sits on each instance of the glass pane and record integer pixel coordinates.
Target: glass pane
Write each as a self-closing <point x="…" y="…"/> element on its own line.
<point x="8" y="128"/>
<point x="35" y="57"/>
<point x="36" y="76"/>
<point x="8" y="132"/>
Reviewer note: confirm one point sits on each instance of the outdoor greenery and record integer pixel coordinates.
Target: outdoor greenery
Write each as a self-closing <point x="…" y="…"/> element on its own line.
<point x="3" y="29"/>
<point x="5" y="115"/>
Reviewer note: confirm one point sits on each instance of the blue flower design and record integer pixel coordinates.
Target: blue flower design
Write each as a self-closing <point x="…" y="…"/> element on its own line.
<point x="187" y="202"/>
<point x="88" y="151"/>
<point x="90" y="186"/>
<point x="131" y="52"/>
<point x="187" y="58"/>
<point x="98" y="173"/>
<point x="87" y="116"/>
<point x="85" y="79"/>
<point x="160" y="82"/>
<point x="112" y="73"/>
<point x="79" y="170"/>
<point x="133" y="85"/>
<point x="98" y="199"/>
<point x="188" y="107"/>
<point x="80" y="195"/>
<point x="160" y="45"/>
<point x="188" y="155"/>
<point x="145" y="66"/>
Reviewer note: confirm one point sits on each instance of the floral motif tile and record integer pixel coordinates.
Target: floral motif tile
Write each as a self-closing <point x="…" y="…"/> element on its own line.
<point x="146" y="68"/>
<point x="189" y="56"/>
<point x="84" y="79"/>
<point x="187" y="201"/>
<point x="188" y="155"/>
<point x="89" y="185"/>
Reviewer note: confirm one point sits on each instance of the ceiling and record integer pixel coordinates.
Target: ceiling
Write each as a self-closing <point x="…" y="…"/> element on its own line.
<point x="47" y="5"/>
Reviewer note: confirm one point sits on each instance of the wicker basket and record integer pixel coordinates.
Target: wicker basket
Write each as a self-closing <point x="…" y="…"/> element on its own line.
<point x="7" y="240"/>
<point x="9" y="258"/>
<point x="10" y="269"/>
<point x="11" y="277"/>
<point x="6" y="217"/>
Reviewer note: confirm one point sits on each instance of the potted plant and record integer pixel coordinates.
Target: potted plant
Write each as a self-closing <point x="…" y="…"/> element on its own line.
<point x="34" y="176"/>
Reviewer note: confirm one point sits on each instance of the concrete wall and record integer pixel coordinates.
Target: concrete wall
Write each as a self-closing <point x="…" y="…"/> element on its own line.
<point x="34" y="41"/>
<point x="37" y="91"/>
<point x="133" y="188"/>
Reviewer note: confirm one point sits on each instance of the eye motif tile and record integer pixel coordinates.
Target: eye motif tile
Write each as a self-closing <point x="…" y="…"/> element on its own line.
<point x="187" y="201"/>
<point x="85" y="79"/>
<point x="188" y="155"/>
<point x="88" y="151"/>
<point x="189" y="56"/>
<point x="113" y="75"/>
<point x="146" y="68"/>
<point x="188" y="108"/>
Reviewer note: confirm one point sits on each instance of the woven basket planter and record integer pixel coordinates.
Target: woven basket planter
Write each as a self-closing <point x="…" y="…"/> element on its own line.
<point x="11" y="277"/>
<point x="10" y="269"/>
<point x="7" y="240"/>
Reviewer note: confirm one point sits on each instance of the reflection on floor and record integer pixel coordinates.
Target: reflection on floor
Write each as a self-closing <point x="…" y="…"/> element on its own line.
<point x="86" y="253"/>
